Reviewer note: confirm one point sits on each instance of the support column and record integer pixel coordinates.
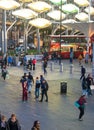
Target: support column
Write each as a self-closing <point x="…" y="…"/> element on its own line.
<point x="25" y="38"/>
<point x="93" y="62"/>
<point x="2" y="41"/>
<point x="4" y="33"/>
<point x="38" y="39"/>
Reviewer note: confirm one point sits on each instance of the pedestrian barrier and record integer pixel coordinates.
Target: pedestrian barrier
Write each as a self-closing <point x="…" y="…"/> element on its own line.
<point x="61" y="67"/>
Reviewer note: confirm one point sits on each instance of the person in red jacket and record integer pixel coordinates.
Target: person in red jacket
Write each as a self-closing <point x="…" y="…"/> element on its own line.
<point x="34" y="63"/>
<point x="24" y="89"/>
<point x="81" y="101"/>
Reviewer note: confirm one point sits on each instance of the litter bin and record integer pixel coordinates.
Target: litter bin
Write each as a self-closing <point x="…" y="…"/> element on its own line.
<point x="63" y="86"/>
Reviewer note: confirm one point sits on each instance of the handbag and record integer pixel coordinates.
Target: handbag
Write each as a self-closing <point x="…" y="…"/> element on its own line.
<point x="77" y="104"/>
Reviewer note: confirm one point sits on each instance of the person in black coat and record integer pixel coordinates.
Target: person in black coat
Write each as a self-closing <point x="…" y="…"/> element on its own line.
<point x="44" y="89"/>
<point x="3" y="123"/>
<point x="83" y="71"/>
<point x="14" y="123"/>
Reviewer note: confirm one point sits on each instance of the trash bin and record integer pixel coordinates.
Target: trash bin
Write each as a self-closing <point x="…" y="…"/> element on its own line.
<point x="63" y="86"/>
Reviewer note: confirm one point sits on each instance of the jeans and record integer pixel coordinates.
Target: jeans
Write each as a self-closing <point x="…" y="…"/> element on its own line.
<point x="37" y="92"/>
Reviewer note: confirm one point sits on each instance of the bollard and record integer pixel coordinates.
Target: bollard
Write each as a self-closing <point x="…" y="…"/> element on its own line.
<point x="51" y="66"/>
<point x="71" y="68"/>
<point x="63" y="87"/>
<point x="61" y="67"/>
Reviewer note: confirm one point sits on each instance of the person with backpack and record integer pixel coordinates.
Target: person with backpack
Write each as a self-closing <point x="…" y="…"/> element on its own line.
<point x="81" y="102"/>
<point x="30" y="81"/>
<point x="44" y="90"/>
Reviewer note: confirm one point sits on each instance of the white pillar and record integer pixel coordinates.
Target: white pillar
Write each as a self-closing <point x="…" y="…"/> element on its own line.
<point x="38" y="39"/>
<point x="93" y="62"/>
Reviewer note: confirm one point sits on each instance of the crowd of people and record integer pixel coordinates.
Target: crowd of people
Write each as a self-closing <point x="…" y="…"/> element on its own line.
<point x="41" y="90"/>
<point x="13" y="123"/>
<point x="86" y="82"/>
<point x="41" y="86"/>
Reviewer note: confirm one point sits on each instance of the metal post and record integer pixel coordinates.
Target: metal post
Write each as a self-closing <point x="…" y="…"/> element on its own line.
<point x="89" y="10"/>
<point x="38" y="39"/>
<point x="60" y="30"/>
<point x="25" y="38"/>
<point x="93" y="62"/>
<point x="61" y="67"/>
<point x="2" y="41"/>
<point x="4" y="33"/>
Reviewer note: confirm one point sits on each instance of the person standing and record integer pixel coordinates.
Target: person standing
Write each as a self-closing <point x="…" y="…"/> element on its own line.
<point x="34" y="63"/>
<point x="81" y="102"/>
<point x="24" y="87"/>
<point x="45" y="66"/>
<point x="3" y="123"/>
<point x="36" y="125"/>
<point x="83" y="71"/>
<point x="14" y="123"/>
<point x="37" y="87"/>
<point x="89" y="80"/>
<point x="84" y="85"/>
<point x="4" y="72"/>
<point x="30" y="82"/>
<point x="44" y="90"/>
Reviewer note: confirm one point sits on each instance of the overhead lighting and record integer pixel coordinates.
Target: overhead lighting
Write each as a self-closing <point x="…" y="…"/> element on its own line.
<point x="40" y="23"/>
<point x="8" y="4"/>
<point x="39" y="6"/>
<point x="25" y="1"/>
<point x="82" y="16"/>
<point x="82" y="3"/>
<point x="56" y="15"/>
<point x="70" y="8"/>
<point x="89" y="10"/>
<point x="69" y="21"/>
<point x="25" y="13"/>
<point x="58" y="2"/>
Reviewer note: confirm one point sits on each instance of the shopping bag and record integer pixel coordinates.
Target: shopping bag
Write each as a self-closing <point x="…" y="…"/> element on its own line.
<point x="77" y="104"/>
<point x="92" y="87"/>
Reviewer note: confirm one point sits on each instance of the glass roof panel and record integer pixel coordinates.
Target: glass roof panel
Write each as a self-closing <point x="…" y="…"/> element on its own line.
<point x="82" y="3"/>
<point x="56" y="15"/>
<point x="82" y="16"/>
<point x="8" y="4"/>
<point x="40" y="23"/>
<point x="70" y="8"/>
<point x="89" y="9"/>
<point x="58" y="2"/>
<point x="39" y="6"/>
<point x="25" y="13"/>
<point x="25" y="0"/>
<point x="69" y="21"/>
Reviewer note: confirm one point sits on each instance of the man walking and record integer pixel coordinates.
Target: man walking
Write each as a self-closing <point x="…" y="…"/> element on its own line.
<point x="44" y="89"/>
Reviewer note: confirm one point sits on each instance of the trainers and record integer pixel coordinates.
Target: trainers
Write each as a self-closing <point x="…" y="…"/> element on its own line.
<point x="80" y="119"/>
